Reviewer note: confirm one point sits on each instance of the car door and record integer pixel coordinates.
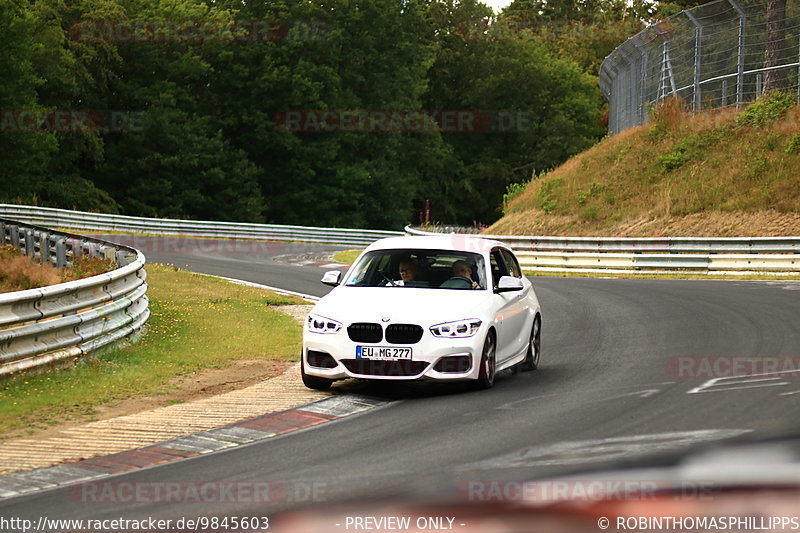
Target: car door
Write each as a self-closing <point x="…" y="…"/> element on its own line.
<point x="506" y="305"/>
<point x="517" y="321"/>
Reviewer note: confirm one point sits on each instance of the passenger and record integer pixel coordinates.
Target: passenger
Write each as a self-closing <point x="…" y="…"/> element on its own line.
<point x="462" y="269"/>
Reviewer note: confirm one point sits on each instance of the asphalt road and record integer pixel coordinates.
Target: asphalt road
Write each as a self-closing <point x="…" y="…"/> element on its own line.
<point x="625" y="374"/>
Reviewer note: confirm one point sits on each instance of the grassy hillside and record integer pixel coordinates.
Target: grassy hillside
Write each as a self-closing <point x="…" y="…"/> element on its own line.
<point x="718" y="173"/>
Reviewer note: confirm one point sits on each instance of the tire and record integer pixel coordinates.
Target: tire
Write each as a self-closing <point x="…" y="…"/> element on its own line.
<point x="531" y="361"/>
<point x="314" y="382"/>
<point x="488" y="369"/>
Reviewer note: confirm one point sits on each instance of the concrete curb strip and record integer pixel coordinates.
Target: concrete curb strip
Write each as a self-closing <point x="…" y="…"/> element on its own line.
<point x="239" y="433"/>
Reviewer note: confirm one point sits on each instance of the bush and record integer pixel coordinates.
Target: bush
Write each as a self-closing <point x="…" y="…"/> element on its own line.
<point x="666" y="117"/>
<point x="794" y="145"/>
<point x="87" y="266"/>
<point x="545" y="197"/>
<point x="512" y="191"/>
<point x="766" y="109"/>
<point x="18" y="272"/>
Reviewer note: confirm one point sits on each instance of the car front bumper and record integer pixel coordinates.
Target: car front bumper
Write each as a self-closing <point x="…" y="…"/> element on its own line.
<point x="433" y="358"/>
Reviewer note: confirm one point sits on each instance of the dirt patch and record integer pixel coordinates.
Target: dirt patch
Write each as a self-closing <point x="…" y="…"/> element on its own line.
<point x="183" y="389"/>
<point x="298" y="312"/>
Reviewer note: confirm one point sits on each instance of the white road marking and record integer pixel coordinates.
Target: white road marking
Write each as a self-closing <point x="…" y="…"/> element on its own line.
<point x="747" y="381"/>
<point x="576" y="452"/>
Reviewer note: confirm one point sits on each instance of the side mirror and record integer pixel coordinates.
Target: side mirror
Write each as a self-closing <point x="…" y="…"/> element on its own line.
<point x="508" y="284"/>
<point x="332" y="278"/>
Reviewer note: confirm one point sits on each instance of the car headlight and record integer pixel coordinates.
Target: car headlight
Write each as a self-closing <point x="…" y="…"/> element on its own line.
<point x="320" y="324"/>
<point x="460" y="328"/>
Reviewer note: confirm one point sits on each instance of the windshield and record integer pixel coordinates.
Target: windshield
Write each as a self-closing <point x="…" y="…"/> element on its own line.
<point x="426" y="269"/>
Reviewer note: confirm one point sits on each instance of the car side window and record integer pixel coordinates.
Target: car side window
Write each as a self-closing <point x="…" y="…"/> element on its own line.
<point x="498" y="267"/>
<point x="513" y="264"/>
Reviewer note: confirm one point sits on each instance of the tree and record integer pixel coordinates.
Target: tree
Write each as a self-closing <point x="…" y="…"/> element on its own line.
<point x="775" y="45"/>
<point x="26" y="149"/>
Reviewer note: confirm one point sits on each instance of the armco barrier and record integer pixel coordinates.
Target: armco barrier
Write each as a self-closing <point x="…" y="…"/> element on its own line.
<point x="80" y="220"/>
<point x="715" y="254"/>
<point x="45" y="326"/>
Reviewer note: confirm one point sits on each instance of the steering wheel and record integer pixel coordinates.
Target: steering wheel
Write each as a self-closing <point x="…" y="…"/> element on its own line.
<point x="392" y="282"/>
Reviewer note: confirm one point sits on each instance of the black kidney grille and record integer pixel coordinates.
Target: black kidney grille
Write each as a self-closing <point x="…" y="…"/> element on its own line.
<point x="365" y="332"/>
<point x="403" y="334"/>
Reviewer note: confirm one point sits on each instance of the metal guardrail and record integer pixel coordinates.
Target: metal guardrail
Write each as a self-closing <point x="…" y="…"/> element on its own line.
<point x="663" y="254"/>
<point x="81" y="220"/>
<point x="53" y="324"/>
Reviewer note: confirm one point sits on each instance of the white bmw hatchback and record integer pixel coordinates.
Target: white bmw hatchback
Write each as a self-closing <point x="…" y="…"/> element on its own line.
<point x="449" y="308"/>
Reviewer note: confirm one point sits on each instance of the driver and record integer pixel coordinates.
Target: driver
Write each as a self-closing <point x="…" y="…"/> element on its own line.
<point x="409" y="271"/>
<point x="462" y="269"/>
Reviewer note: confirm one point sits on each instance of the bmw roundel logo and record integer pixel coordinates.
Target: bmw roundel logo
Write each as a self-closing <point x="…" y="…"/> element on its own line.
<point x="385" y="319"/>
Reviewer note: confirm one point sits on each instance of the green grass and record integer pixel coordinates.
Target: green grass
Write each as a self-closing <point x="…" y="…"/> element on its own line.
<point x="680" y="174"/>
<point x="347" y="256"/>
<point x="197" y="322"/>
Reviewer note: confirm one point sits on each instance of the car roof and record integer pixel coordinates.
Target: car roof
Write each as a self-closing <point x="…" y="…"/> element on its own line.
<point x="454" y="241"/>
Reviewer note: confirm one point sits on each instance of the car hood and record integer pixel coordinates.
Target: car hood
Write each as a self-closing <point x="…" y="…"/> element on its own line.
<point x="402" y="305"/>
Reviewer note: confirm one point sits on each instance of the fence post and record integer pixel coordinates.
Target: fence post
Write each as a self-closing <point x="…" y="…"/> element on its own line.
<point x="643" y="81"/>
<point x="666" y="65"/>
<point x="629" y="90"/>
<point x="740" y="69"/>
<point x="724" y="96"/>
<point x="613" y="115"/>
<point x="698" y="36"/>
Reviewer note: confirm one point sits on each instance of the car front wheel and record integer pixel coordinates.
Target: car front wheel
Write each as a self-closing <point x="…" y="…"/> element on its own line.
<point x="486" y="376"/>
<point x="534" y="347"/>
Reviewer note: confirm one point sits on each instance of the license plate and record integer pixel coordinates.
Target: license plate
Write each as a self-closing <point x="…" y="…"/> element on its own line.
<point x="382" y="352"/>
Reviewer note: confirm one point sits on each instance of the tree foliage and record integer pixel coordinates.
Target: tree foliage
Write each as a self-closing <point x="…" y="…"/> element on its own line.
<point x="189" y="124"/>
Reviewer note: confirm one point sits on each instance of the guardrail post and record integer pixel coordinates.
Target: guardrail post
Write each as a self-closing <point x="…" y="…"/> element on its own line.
<point x="30" y="245"/>
<point x="740" y="69"/>
<point x="758" y="84"/>
<point x="123" y="258"/>
<point x="44" y="247"/>
<point x="2" y="233"/>
<point x="61" y="253"/>
<point x="15" y="236"/>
